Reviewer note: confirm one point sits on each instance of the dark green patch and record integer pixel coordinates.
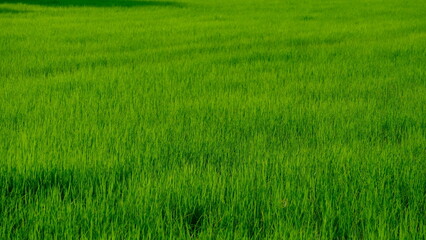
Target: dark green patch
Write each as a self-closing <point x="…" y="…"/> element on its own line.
<point x="11" y="11"/>
<point x="97" y="3"/>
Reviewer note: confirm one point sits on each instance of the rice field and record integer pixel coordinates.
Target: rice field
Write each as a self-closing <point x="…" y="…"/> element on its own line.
<point x="215" y="119"/>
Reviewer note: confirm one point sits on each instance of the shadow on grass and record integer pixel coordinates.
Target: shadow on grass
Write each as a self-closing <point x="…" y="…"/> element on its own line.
<point x="96" y="3"/>
<point x="72" y="184"/>
<point x="10" y="11"/>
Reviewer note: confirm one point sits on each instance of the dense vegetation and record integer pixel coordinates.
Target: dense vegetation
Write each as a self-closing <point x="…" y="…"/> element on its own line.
<point x="225" y="119"/>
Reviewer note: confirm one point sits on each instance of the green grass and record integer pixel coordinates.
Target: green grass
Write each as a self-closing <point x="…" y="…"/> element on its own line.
<point x="217" y="119"/>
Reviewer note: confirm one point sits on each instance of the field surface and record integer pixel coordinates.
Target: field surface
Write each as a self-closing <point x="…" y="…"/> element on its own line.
<point x="215" y="119"/>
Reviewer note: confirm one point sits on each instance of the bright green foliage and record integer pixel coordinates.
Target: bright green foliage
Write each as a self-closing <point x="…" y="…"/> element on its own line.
<point x="215" y="119"/>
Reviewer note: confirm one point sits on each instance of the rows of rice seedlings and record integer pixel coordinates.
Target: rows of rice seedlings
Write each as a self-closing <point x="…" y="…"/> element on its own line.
<point x="212" y="120"/>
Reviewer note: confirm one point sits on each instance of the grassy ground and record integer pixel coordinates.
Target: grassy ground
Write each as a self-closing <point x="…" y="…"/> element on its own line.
<point x="226" y="119"/>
